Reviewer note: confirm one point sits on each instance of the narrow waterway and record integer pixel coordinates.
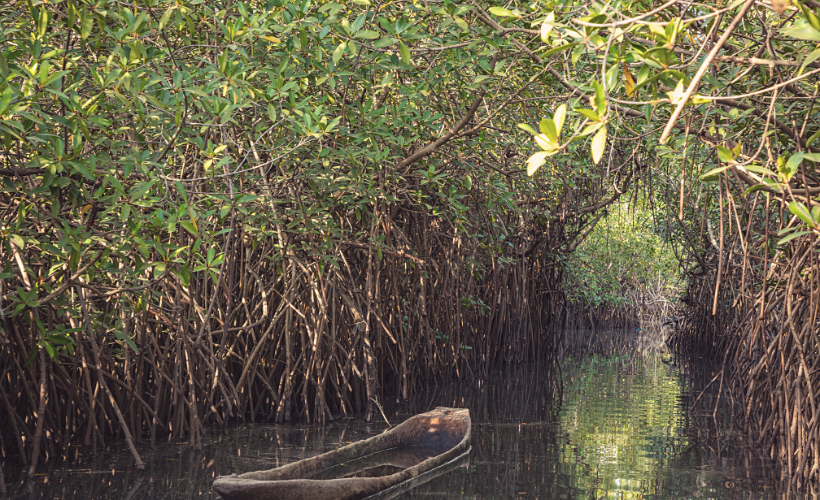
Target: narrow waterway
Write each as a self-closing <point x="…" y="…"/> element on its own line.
<point x="611" y="426"/>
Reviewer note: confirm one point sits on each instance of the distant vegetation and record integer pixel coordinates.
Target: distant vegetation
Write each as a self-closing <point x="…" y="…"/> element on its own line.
<point x="626" y="263"/>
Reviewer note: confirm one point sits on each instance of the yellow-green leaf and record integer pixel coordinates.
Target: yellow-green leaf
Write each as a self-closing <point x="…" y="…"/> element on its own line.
<point x="559" y="118"/>
<point x="547" y="127"/>
<point x="535" y="161"/>
<point x="725" y="154"/>
<point x="598" y="144"/>
<point x="629" y="83"/>
<point x="544" y="142"/>
<point x="501" y="12"/>
<point x="339" y="52"/>
<point x="600" y="98"/>
<point x="547" y="26"/>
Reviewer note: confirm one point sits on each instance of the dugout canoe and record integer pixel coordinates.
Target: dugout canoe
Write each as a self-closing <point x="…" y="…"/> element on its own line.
<point x="406" y="455"/>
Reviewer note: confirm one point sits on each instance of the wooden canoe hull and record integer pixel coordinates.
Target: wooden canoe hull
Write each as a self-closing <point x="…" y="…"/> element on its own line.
<point x="445" y="430"/>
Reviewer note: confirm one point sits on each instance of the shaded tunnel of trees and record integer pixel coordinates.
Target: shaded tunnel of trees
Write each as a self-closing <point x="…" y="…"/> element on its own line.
<point x="276" y="210"/>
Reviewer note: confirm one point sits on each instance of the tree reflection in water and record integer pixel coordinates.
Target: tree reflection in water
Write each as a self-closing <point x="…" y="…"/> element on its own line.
<point x="598" y="427"/>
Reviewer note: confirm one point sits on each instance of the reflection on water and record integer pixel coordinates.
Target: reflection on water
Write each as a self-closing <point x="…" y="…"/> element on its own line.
<point x="621" y="425"/>
<point x="600" y="427"/>
<point x="620" y="428"/>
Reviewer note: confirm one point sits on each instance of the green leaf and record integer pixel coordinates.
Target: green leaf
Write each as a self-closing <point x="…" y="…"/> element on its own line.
<point x="524" y="126"/>
<point x="18" y="241"/>
<point x="5" y="100"/>
<point x="405" y="53"/>
<point x="141" y="189"/>
<point x="159" y="268"/>
<point x="132" y="345"/>
<point x="357" y="24"/>
<point x="802" y="31"/>
<point x="801" y="212"/>
<point x="600" y="98"/>
<point x="189" y="226"/>
<point x="402" y="24"/>
<point x="32" y="356"/>
<point x="789" y="168"/>
<point x="815" y="157"/>
<point x="125" y="213"/>
<point x="765" y="184"/>
<point x="339" y="52"/>
<point x="598" y="144"/>
<point x="4" y="66"/>
<point x="725" y="154"/>
<point x="811" y="140"/>
<point x="590" y="129"/>
<point x="184" y="275"/>
<point x="556" y="50"/>
<point x="384" y="42"/>
<point x="792" y="236"/>
<point x="612" y="77"/>
<point x="79" y="167"/>
<point x="759" y="169"/>
<point x="163" y="22"/>
<point x="547" y="127"/>
<point x="86" y="23"/>
<point x="736" y="150"/>
<point x="181" y="190"/>
<point x="502" y="12"/>
<point x="367" y="35"/>
<point x="712" y="173"/>
<point x="49" y="348"/>
<point x="42" y="22"/>
<point x="813" y="56"/>
<point x="588" y="113"/>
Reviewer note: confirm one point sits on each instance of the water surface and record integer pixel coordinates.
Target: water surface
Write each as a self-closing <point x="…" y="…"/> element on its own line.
<point x="598" y="427"/>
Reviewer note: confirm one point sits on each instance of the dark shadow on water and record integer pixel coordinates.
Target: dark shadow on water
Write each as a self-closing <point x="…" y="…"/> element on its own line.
<point x="599" y="425"/>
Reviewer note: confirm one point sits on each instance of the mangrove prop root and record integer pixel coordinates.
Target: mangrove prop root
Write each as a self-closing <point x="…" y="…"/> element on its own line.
<point x="756" y="309"/>
<point x="278" y="336"/>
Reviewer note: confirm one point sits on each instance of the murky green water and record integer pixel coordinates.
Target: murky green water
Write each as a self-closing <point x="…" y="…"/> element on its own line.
<point x="600" y="427"/>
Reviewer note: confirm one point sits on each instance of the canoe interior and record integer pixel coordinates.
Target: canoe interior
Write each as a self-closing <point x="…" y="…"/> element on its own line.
<point x="382" y="463"/>
<point x="461" y="461"/>
<point x="414" y="448"/>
